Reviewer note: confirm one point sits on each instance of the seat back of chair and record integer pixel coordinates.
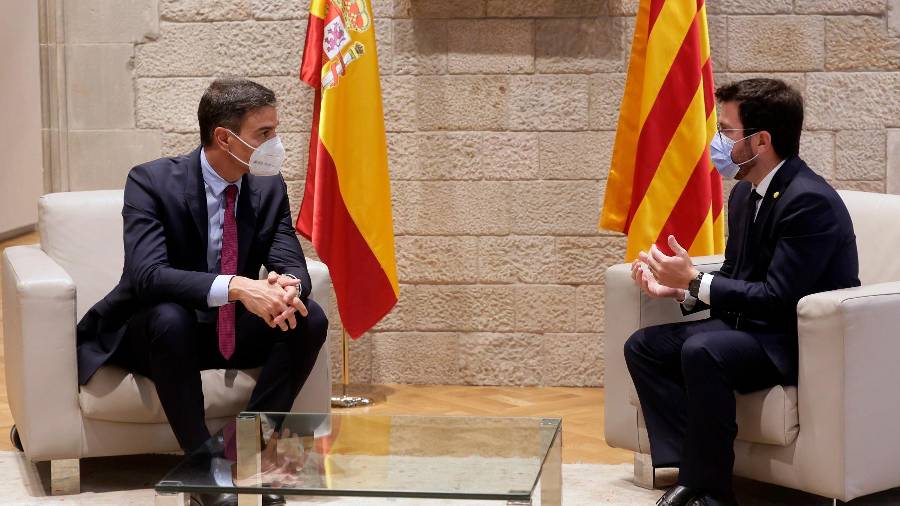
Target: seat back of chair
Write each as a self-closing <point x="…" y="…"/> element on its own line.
<point x="876" y="221"/>
<point x="82" y="232"/>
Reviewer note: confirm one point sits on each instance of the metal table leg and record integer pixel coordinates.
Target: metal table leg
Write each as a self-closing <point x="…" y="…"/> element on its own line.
<point x="551" y="474"/>
<point x="249" y="500"/>
<point x="249" y="458"/>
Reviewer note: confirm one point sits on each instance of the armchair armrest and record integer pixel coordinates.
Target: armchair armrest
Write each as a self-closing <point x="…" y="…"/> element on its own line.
<point x="39" y="346"/>
<point x="321" y="283"/>
<point x="628" y="310"/>
<point x="315" y="396"/>
<point x="849" y="344"/>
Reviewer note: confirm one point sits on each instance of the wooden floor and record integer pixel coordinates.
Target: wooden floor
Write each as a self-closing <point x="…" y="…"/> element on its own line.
<point x="580" y="408"/>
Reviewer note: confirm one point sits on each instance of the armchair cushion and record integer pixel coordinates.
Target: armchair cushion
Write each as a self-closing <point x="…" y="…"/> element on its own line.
<point x="764" y="417"/>
<point x="116" y="395"/>
<point x="768" y="416"/>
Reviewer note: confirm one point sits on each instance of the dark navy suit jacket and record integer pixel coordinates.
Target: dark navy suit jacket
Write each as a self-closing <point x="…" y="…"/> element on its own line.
<point x="165" y="234"/>
<point x="802" y="242"/>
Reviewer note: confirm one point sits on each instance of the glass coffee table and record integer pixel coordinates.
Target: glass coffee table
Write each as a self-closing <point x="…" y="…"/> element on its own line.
<point x="474" y="458"/>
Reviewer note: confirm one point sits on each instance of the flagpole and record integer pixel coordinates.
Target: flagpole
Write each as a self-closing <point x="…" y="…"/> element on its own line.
<point x="346" y="395"/>
<point x="345" y="351"/>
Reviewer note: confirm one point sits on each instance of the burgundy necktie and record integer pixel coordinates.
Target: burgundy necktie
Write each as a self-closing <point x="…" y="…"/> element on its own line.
<point x="229" y="266"/>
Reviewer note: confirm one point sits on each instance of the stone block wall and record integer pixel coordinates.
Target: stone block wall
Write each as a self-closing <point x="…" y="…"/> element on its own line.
<point x="91" y="138"/>
<point x="501" y="118"/>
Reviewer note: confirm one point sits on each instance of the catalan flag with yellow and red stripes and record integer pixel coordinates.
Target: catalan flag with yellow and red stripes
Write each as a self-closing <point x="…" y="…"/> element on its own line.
<point x="346" y="210"/>
<point x="662" y="181"/>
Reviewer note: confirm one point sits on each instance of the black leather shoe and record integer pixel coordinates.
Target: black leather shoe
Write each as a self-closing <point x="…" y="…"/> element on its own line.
<point x="677" y="496"/>
<point x="272" y="500"/>
<point x="708" y="500"/>
<point x="231" y="500"/>
<point x="213" y="500"/>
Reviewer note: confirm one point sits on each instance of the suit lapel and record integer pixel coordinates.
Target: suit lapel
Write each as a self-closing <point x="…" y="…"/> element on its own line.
<point x="779" y="183"/>
<point x="195" y="198"/>
<point x="248" y="203"/>
<point x="742" y="234"/>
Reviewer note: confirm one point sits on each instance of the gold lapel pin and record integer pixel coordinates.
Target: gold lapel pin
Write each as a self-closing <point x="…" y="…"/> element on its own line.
<point x="776" y="195"/>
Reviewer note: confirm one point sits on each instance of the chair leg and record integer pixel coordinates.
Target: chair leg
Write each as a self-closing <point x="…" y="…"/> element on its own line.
<point x="65" y="477"/>
<point x="172" y="499"/>
<point x="644" y="473"/>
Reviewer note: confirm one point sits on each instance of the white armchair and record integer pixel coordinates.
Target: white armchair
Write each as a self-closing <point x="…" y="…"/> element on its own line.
<point x="835" y="433"/>
<point x="46" y="290"/>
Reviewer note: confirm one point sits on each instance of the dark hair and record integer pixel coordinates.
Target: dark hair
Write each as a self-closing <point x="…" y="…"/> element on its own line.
<point x="771" y="105"/>
<point x="226" y="102"/>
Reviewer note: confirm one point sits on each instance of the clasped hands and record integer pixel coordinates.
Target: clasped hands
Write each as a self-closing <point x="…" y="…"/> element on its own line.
<point x="660" y="275"/>
<point x="275" y="299"/>
<point x="283" y="459"/>
<point x="281" y="462"/>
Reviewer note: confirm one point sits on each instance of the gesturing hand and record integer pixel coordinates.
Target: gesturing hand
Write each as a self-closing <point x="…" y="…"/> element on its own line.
<point x="649" y="285"/>
<point x="675" y="271"/>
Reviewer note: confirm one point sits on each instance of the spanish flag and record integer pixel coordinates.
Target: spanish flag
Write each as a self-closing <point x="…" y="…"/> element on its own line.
<point x="346" y="210"/>
<point x="662" y="180"/>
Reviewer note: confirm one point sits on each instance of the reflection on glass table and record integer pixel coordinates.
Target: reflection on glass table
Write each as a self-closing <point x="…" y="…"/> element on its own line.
<point x="486" y="458"/>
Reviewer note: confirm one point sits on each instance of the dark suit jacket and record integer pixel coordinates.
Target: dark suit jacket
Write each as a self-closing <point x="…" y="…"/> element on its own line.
<point x="165" y="234"/>
<point x="801" y="243"/>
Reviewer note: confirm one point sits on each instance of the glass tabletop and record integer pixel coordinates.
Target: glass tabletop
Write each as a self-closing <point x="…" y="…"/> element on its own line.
<point x="371" y="455"/>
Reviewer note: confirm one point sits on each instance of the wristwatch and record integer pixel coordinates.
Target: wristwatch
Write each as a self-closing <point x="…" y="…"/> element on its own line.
<point x="694" y="286"/>
<point x="299" y="287"/>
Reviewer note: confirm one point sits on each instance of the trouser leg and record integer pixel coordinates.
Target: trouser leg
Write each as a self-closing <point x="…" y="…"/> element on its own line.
<point x="286" y="357"/>
<point x="715" y="364"/>
<point x="162" y="344"/>
<point x="653" y="357"/>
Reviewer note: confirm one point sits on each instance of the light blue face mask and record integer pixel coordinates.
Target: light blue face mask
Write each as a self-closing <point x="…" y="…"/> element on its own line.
<point x="720" y="151"/>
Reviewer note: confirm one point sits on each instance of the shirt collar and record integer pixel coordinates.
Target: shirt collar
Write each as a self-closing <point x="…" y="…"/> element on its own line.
<point x="212" y="178"/>
<point x="763" y="185"/>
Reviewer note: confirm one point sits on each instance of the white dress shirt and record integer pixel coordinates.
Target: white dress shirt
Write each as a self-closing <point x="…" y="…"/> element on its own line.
<point x="706" y="281"/>
<point x="215" y="212"/>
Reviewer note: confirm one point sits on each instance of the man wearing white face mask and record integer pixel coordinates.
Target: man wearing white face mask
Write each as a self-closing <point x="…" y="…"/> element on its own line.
<point x="790" y="235"/>
<point x="197" y="228"/>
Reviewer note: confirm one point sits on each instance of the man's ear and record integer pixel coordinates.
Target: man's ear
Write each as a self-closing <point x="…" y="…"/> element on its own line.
<point x="220" y="138"/>
<point x="764" y="140"/>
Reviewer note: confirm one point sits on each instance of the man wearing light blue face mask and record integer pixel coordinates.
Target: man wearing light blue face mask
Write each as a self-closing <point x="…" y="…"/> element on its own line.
<point x="790" y="235"/>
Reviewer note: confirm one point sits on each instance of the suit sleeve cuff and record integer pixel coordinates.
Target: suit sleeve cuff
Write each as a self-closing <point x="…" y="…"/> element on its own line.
<point x="705" y="287"/>
<point x="218" y="292"/>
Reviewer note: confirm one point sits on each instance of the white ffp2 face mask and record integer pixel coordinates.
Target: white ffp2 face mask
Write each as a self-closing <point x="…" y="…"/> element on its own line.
<point x="266" y="159"/>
